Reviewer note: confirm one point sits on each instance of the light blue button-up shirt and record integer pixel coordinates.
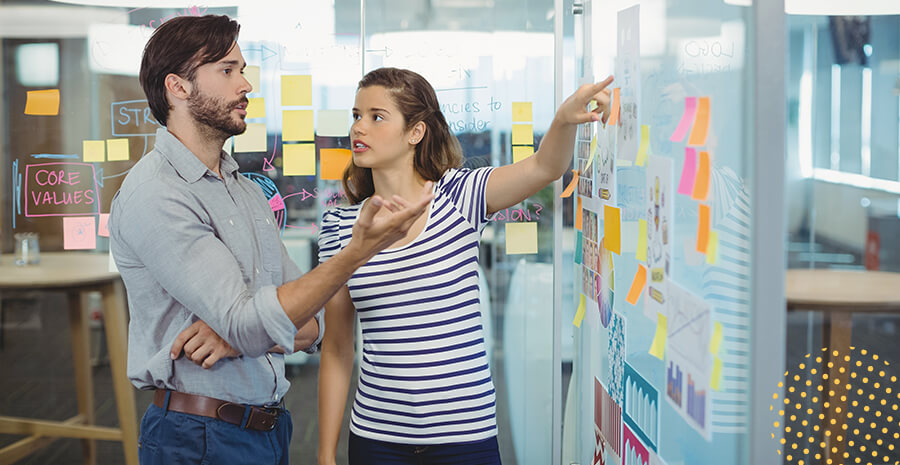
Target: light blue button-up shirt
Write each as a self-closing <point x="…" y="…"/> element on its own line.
<point x="193" y="246"/>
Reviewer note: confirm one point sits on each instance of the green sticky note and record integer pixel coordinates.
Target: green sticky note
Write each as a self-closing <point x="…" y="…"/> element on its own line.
<point x="299" y="159"/>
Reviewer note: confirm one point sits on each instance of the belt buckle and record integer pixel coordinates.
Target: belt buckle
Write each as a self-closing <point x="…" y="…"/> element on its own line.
<point x="266" y="422"/>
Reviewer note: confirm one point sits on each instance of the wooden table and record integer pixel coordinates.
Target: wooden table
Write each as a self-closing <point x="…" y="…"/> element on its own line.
<point x="838" y="294"/>
<point x="76" y="274"/>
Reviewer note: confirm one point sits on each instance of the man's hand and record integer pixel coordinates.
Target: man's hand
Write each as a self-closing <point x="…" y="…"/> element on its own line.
<point x="201" y="345"/>
<point x="371" y="236"/>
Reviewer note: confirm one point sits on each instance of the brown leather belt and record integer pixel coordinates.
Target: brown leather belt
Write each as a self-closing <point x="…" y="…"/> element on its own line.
<point x="259" y="418"/>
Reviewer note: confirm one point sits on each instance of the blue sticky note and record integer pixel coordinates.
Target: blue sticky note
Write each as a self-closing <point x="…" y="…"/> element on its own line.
<point x="578" y="251"/>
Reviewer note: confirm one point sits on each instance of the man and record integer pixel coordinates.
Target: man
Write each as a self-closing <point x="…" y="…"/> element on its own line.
<point x="199" y="253"/>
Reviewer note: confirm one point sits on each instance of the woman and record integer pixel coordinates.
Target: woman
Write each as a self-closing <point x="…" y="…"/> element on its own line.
<point x="425" y="393"/>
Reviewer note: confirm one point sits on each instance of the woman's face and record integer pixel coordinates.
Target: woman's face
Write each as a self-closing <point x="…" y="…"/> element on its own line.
<point x="378" y="135"/>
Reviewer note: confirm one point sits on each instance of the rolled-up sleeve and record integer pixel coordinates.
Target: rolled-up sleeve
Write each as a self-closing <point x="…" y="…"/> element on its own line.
<point x="171" y="236"/>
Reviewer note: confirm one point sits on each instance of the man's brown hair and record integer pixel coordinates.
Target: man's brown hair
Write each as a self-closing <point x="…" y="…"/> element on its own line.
<point x="179" y="47"/>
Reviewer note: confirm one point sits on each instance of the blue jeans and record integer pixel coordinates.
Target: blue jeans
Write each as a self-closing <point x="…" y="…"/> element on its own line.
<point x="364" y="451"/>
<point x="174" y="438"/>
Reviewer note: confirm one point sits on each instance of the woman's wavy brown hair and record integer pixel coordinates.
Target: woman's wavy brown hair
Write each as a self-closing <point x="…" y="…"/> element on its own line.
<point x="438" y="150"/>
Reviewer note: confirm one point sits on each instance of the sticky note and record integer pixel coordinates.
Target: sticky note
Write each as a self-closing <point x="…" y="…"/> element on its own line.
<point x="688" y="172"/>
<point x="297" y="125"/>
<point x="614" y="108"/>
<point x="299" y="159"/>
<point x="251" y="74"/>
<point x="94" y="150"/>
<point x="333" y="123"/>
<point x="571" y="187"/>
<point x="252" y="140"/>
<point x="644" y="148"/>
<point x="522" y="134"/>
<point x="658" y="347"/>
<point x="579" y="238"/>
<point x="715" y="342"/>
<point x="42" y="102"/>
<point x="79" y="232"/>
<point x="716" y="376"/>
<point x="701" y="180"/>
<point x="521" y="152"/>
<point x="521" y="238"/>
<point x="641" y="253"/>
<point x="276" y="202"/>
<point x="521" y="112"/>
<point x="702" y="228"/>
<point x="579" y="314"/>
<point x="117" y="149"/>
<point x="687" y="119"/>
<point x="256" y="108"/>
<point x="103" y="225"/>
<point x="296" y="90"/>
<point x="333" y="162"/>
<point x="593" y="153"/>
<point x="637" y="285"/>
<point x="578" y="213"/>
<point x="701" y="123"/>
<point x="612" y="229"/>
<point x="712" y="248"/>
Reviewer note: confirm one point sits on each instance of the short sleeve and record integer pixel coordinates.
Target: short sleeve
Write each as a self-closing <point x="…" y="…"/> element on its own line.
<point x="466" y="190"/>
<point x="329" y="235"/>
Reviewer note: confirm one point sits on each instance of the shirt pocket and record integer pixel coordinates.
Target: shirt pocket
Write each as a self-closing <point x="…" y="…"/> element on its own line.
<point x="270" y="246"/>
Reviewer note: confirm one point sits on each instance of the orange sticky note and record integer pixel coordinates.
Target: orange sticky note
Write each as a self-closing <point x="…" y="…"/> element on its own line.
<point x="42" y="102"/>
<point x="299" y="159"/>
<point x="701" y="181"/>
<point x="578" y="213"/>
<point x="103" y="225"/>
<point x="703" y="228"/>
<point x="334" y="162"/>
<point x="701" y="123"/>
<point x="612" y="229"/>
<point x="614" y="110"/>
<point x="79" y="233"/>
<point x="571" y="187"/>
<point x="637" y="285"/>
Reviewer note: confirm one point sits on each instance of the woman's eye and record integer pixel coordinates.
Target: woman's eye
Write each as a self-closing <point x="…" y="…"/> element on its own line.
<point x="355" y="117"/>
<point x="378" y="118"/>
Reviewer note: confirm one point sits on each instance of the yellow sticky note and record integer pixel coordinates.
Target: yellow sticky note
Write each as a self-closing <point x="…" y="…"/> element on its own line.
<point x="612" y="229"/>
<point x="522" y="134"/>
<point x="644" y="147"/>
<point x="593" y="153"/>
<point x="712" y="248"/>
<point x="658" y="347"/>
<point x="296" y="90"/>
<point x="571" y="187"/>
<point x="94" y="150"/>
<point x="334" y="162"/>
<point x="256" y="108"/>
<point x="641" y="253"/>
<point x="117" y="149"/>
<point x="251" y="74"/>
<point x="252" y="140"/>
<point x="299" y="159"/>
<point x="521" y="112"/>
<point x="333" y="123"/>
<point x="42" y="102"/>
<point x="715" y="342"/>
<point x="637" y="285"/>
<point x="579" y="314"/>
<point x="521" y="152"/>
<point x="521" y="238"/>
<point x="716" y="374"/>
<point x="297" y="125"/>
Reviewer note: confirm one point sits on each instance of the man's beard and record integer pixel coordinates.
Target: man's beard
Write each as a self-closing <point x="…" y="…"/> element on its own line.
<point x="215" y="113"/>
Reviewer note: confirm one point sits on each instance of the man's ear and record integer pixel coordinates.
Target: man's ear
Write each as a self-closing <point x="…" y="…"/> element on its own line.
<point x="178" y="87"/>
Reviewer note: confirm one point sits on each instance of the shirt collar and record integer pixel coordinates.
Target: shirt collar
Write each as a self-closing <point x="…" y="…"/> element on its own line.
<point x="186" y="164"/>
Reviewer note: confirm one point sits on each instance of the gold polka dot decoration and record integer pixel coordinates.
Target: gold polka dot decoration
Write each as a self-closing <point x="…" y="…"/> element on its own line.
<point x="863" y="398"/>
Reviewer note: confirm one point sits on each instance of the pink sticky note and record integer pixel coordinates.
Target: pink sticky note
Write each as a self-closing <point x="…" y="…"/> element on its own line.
<point x="277" y="203"/>
<point x="102" y="228"/>
<point x="79" y="232"/>
<point x="688" y="172"/>
<point x="687" y="119"/>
